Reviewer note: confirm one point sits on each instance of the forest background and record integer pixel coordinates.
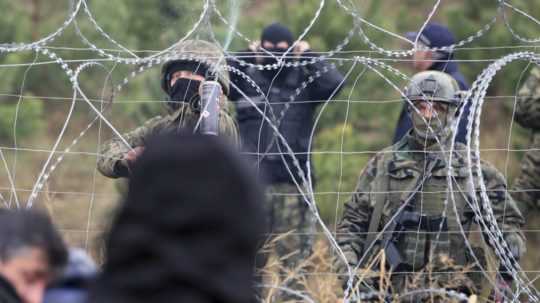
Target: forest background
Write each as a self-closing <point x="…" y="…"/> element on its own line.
<point x="35" y="93"/>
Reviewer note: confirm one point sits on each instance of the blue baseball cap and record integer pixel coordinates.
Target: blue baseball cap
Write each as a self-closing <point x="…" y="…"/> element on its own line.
<point x="433" y="35"/>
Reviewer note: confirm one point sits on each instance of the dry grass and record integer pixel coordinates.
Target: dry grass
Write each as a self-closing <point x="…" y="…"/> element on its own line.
<point x="316" y="278"/>
<point x="314" y="275"/>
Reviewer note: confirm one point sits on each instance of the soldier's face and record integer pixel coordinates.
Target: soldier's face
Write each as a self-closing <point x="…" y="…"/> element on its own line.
<point x="185" y="75"/>
<point x="430" y="110"/>
<point x="430" y="119"/>
<point x="422" y="60"/>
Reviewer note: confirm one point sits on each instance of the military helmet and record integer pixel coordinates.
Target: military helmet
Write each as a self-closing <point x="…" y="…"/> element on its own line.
<point x="434" y="86"/>
<point x="199" y="51"/>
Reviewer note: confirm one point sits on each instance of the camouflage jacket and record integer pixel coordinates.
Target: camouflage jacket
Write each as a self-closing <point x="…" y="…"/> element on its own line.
<point x="527" y="186"/>
<point x="528" y="105"/>
<point x="393" y="177"/>
<point x="111" y="162"/>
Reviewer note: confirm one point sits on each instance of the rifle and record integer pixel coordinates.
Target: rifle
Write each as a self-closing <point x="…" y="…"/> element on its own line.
<point x="389" y="244"/>
<point x="406" y="221"/>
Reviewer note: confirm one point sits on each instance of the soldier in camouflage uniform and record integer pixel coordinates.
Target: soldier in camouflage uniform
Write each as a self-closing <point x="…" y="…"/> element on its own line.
<point x="405" y="187"/>
<point x="181" y="80"/>
<point x="527" y="185"/>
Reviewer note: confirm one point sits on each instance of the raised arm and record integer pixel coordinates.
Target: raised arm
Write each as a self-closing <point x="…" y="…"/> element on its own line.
<point x="328" y="84"/>
<point x="112" y="162"/>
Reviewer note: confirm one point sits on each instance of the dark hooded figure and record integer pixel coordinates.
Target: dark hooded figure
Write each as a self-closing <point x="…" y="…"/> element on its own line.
<point x="189" y="228"/>
<point x="434" y="35"/>
<point x="293" y="109"/>
<point x="290" y="96"/>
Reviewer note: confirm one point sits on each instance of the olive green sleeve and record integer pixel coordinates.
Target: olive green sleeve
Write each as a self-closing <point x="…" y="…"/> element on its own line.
<point x="505" y="209"/>
<point x="228" y="127"/>
<point x="111" y="159"/>
<point x="353" y="227"/>
<point x="526" y="189"/>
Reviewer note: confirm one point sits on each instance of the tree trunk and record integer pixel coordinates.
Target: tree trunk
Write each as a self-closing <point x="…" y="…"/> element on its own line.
<point x="35" y="17"/>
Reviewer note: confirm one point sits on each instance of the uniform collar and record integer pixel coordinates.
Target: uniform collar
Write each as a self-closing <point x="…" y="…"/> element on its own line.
<point x="414" y="143"/>
<point x="409" y="150"/>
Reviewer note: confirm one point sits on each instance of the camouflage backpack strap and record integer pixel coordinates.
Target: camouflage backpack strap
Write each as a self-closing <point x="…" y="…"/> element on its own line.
<point x="381" y="189"/>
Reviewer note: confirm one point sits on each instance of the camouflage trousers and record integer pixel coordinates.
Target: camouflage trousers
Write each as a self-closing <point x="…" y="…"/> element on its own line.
<point x="291" y="224"/>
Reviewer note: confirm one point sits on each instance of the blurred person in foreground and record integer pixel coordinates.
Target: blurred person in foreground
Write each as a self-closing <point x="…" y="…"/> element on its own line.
<point x="404" y="189"/>
<point x="291" y="108"/>
<point x="434" y="35"/>
<point x="189" y="228"/>
<point x="32" y="254"/>
<point x="181" y="80"/>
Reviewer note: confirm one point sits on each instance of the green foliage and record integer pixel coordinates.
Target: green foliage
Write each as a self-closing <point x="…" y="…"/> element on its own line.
<point x="464" y="20"/>
<point x="21" y="119"/>
<point x="340" y="154"/>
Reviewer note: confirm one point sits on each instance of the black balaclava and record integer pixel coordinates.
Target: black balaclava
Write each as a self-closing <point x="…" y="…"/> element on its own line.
<point x="184" y="90"/>
<point x="189" y="228"/>
<point x="275" y="33"/>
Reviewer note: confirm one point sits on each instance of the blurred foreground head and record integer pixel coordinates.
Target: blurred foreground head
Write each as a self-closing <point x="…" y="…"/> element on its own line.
<point x="189" y="228"/>
<point x="32" y="253"/>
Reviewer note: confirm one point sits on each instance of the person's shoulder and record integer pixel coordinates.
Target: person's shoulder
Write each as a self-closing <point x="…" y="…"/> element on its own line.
<point x="389" y="150"/>
<point x="491" y="173"/>
<point x="399" y="148"/>
<point x="488" y="166"/>
<point x="156" y="120"/>
<point x="380" y="158"/>
<point x="535" y="74"/>
<point x="464" y="155"/>
<point x="152" y="124"/>
<point x="460" y="148"/>
<point x="460" y="78"/>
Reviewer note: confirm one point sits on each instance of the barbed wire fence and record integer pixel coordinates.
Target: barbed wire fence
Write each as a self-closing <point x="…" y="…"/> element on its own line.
<point x="377" y="60"/>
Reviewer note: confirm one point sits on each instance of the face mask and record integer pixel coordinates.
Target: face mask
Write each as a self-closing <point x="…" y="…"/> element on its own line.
<point x="184" y="90"/>
<point x="438" y="126"/>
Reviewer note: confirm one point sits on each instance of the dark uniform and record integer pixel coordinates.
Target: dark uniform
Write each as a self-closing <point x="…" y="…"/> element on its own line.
<point x="291" y="108"/>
